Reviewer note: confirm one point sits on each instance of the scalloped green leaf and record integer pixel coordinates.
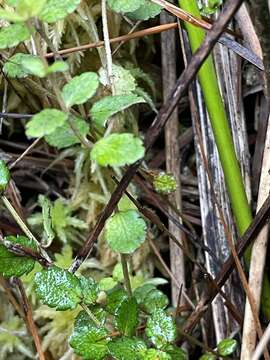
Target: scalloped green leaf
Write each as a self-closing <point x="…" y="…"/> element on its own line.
<point x="160" y="328"/>
<point x="126" y="348"/>
<point x="176" y="353"/>
<point x="4" y="176"/>
<point x="55" y="10"/>
<point x="126" y="318"/>
<point x="45" y="122"/>
<point x="90" y="290"/>
<point x="227" y="347"/>
<point x="20" y="65"/>
<point x="58" y="288"/>
<point x="12" y="35"/>
<point x="146" y="11"/>
<point x="153" y="354"/>
<point x="150" y="298"/>
<point x="80" y="89"/>
<point x="33" y="65"/>
<point x="64" y="136"/>
<point x="12" y="264"/>
<point x="108" y="106"/>
<point x="124" y="6"/>
<point x="124" y="81"/>
<point x="164" y="183"/>
<point x="88" y="340"/>
<point x="118" y="150"/>
<point x="125" y="231"/>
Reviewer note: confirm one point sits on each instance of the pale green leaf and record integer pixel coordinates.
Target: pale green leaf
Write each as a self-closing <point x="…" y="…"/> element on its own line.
<point x="10" y="16"/>
<point x="126" y="348"/>
<point x="153" y="354"/>
<point x="164" y="183"/>
<point x="45" y="122"/>
<point x="12" y="35"/>
<point x="227" y="347"/>
<point x="146" y="11"/>
<point x="13" y="265"/>
<point x="117" y="150"/>
<point x="89" y="340"/>
<point x="123" y="6"/>
<point x="80" y="89"/>
<point x="125" y="231"/>
<point x="58" y="9"/>
<point x="108" y="106"/>
<point x="29" y="8"/>
<point x="58" y="66"/>
<point x="124" y="81"/>
<point x="58" y="288"/>
<point x="64" y="136"/>
<point x="33" y="65"/>
<point x="46" y="205"/>
<point x="4" y="176"/>
<point x="160" y="328"/>
<point x="20" y="65"/>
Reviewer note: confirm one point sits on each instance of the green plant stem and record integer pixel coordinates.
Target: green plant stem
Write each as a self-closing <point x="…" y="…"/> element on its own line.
<point x="126" y="274"/>
<point x="91" y="315"/>
<point x="224" y="141"/>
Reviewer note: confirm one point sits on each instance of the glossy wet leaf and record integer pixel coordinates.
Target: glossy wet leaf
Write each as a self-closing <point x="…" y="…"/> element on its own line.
<point x="89" y="340"/>
<point x="125" y="231"/>
<point x="118" y="150"/>
<point x="176" y="353"/>
<point x="14" y="265"/>
<point x="160" y="328"/>
<point x="12" y="35"/>
<point x="108" y="106"/>
<point x="164" y="183"/>
<point x="4" y="176"/>
<point x="90" y="290"/>
<point x="123" y="6"/>
<point x="64" y="136"/>
<point x="126" y="348"/>
<point x="146" y="11"/>
<point x="80" y="89"/>
<point x="45" y="122"/>
<point x="227" y="347"/>
<point x="126" y="318"/>
<point x="58" y="9"/>
<point x="58" y="288"/>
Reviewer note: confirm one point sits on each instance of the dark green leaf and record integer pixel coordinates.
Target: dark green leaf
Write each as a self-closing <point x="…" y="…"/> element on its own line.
<point x="125" y="231"/>
<point x="126" y="318"/>
<point x="115" y="297"/>
<point x="160" y="328"/>
<point x="90" y="290"/>
<point x="58" y="288"/>
<point x="175" y="352"/>
<point x="89" y="340"/>
<point x="227" y="347"/>
<point x="13" y="265"/>
<point x="208" y="356"/>
<point x="127" y="349"/>
<point x="4" y="176"/>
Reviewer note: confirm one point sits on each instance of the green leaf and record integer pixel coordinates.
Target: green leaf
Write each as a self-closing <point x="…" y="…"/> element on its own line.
<point x="227" y="347"/>
<point x="12" y="35"/>
<point x="80" y="89"/>
<point x="123" y="6"/>
<point x="146" y="11"/>
<point x="45" y="122"/>
<point x="88" y="340"/>
<point x="115" y="297"/>
<point x="126" y="318"/>
<point x="10" y="16"/>
<point x="124" y="81"/>
<point x="64" y="136"/>
<point x="164" y="183"/>
<point x="46" y="205"/>
<point x="125" y="231"/>
<point x="208" y="356"/>
<point x="13" y="265"/>
<point x="55" y="10"/>
<point x="90" y="290"/>
<point x="125" y="348"/>
<point x="117" y="150"/>
<point x="160" y="328"/>
<point x="4" y="176"/>
<point x="58" y="288"/>
<point x="33" y="65"/>
<point x="108" y="106"/>
<point x="58" y="66"/>
<point x="29" y="8"/>
<point x="150" y="298"/>
<point x="13" y="66"/>
<point x="175" y="352"/>
<point x="153" y="354"/>
<point x="107" y="283"/>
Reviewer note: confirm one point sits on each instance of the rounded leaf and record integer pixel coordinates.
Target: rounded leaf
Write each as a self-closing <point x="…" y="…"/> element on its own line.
<point x="12" y="264"/>
<point x="90" y="290"/>
<point x="4" y="176"/>
<point x="45" y="122"/>
<point x="126" y="348"/>
<point x="79" y="89"/>
<point x="160" y="328"/>
<point x="58" y="288"/>
<point x="125" y="231"/>
<point x="12" y="35"/>
<point x="108" y="106"/>
<point x="118" y="150"/>
<point x="123" y="6"/>
<point x="58" y="9"/>
<point x="227" y="347"/>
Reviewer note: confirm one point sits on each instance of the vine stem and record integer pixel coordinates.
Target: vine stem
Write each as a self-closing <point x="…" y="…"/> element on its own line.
<point x="126" y="274"/>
